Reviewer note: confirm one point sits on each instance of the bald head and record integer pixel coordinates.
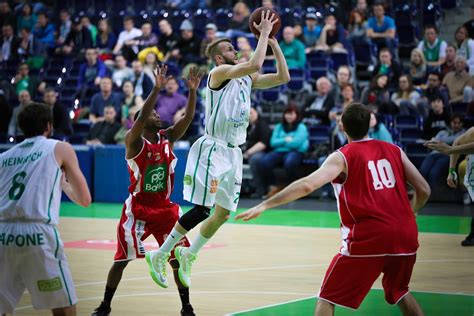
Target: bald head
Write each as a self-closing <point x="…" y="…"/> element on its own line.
<point x="288" y="34"/>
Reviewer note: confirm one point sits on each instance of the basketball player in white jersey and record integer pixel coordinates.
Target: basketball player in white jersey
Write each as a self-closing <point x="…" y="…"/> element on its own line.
<point x="464" y="144"/>
<point x="32" y="175"/>
<point x="213" y="175"/>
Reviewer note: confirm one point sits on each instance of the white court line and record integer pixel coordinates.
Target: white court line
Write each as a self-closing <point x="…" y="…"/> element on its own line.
<point x="258" y="269"/>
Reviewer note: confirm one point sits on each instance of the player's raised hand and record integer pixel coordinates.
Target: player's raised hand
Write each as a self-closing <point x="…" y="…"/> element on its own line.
<point x="194" y="78"/>
<point x="439" y="146"/>
<point x="266" y="23"/>
<point x="252" y="213"/>
<point x="160" y="76"/>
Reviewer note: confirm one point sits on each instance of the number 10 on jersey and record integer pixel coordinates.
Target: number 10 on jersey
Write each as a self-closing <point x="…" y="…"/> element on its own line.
<point x="382" y="174"/>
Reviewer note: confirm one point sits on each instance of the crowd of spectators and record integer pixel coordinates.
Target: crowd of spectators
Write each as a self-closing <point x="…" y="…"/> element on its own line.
<point x="96" y="71"/>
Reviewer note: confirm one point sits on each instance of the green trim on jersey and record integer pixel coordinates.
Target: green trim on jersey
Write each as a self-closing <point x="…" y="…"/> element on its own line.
<point x="196" y="168"/>
<point x="217" y="110"/>
<point x="60" y="266"/>
<point x="212" y="106"/>
<point x="51" y="196"/>
<point x="207" y="173"/>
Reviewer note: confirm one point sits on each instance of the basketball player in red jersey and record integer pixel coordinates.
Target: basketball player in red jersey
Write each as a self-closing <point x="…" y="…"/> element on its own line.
<point x="378" y="227"/>
<point x="148" y="209"/>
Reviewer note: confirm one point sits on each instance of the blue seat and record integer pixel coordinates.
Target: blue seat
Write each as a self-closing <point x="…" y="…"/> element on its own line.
<point x="319" y="134"/>
<point x="363" y="54"/>
<point x="459" y="107"/>
<point x="270" y="95"/>
<point x="407" y="121"/>
<point x="410" y="134"/>
<point x="339" y="59"/>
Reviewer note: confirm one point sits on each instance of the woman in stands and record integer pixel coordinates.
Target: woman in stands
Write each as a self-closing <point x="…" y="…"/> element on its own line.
<point x="406" y="97"/>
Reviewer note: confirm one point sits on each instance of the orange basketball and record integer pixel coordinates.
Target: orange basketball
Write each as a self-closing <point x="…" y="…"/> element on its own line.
<point x="257" y="17"/>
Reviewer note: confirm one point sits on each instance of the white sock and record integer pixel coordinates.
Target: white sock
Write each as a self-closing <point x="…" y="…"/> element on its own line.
<point x="173" y="238"/>
<point x="198" y="243"/>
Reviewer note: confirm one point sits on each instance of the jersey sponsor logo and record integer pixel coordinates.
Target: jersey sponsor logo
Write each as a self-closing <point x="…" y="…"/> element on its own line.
<point x="188" y="180"/>
<point x="214" y="184"/>
<point x="13" y="161"/>
<point x="155" y="178"/>
<point x="22" y="240"/>
<point x="50" y="285"/>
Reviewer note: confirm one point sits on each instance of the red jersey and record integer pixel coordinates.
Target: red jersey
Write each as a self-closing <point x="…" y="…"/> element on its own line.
<point x="152" y="172"/>
<point x="375" y="213"/>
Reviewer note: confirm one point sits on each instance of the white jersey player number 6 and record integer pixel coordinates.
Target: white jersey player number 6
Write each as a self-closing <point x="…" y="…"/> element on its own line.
<point x="382" y="174"/>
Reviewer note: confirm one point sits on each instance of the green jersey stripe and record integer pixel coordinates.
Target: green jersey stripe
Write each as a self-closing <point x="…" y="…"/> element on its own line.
<point x="196" y="168"/>
<point x="207" y="173"/>
<point x="217" y="111"/>
<point x="51" y="196"/>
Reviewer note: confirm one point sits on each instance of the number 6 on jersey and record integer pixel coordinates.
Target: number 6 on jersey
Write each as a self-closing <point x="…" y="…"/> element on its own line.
<point x="382" y="174"/>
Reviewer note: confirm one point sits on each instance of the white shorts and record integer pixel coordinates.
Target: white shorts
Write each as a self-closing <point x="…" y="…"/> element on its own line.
<point x="32" y="257"/>
<point x="469" y="177"/>
<point x="213" y="174"/>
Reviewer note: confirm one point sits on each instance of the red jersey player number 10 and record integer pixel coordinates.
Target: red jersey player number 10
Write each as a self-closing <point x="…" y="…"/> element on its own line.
<point x="382" y="174"/>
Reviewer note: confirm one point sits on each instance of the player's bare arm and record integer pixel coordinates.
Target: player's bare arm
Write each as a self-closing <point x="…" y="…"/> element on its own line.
<point x="74" y="184"/>
<point x="419" y="184"/>
<point x="282" y="76"/>
<point x="333" y="166"/>
<point x="133" y="139"/>
<point x="177" y="131"/>
<point x="466" y="138"/>
<point x="464" y="144"/>
<point x="225" y="72"/>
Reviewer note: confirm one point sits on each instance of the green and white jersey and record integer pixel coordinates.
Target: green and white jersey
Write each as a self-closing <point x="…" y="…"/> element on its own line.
<point x="469" y="177"/>
<point x="227" y="110"/>
<point x="30" y="182"/>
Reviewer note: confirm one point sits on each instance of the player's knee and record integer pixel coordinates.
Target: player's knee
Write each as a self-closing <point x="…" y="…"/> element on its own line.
<point x="194" y="216"/>
<point x="120" y="265"/>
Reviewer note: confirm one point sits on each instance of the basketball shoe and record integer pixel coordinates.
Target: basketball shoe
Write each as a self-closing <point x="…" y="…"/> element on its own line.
<point x="103" y="310"/>
<point x="185" y="259"/>
<point x="157" y="261"/>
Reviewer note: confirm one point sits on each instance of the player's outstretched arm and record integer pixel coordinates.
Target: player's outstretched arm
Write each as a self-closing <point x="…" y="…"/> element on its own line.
<point x="74" y="183"/>
<point x="133" y="139"/>
<point x="225" y="72"/>
<point x="330" y="169"/>
<point x="464" y="144"/>
<point x="177" y="131"/>
<point x="282" y="76"/>
<point x="416" y="180"/>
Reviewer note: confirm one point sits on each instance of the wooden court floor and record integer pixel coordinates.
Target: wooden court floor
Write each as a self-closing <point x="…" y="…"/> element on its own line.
<point x="245" y="267"/>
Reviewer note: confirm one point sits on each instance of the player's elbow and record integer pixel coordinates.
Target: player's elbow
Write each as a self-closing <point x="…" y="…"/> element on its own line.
<point x="423" y="192"/>
<point x="85" y="200"/>
<point x="285" y="78"/>
<point x="254" y="67"/>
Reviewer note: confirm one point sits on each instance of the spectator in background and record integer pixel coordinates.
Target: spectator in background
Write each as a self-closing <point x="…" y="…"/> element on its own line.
<point x="311" y="30"/>
<point x="129" y="32"/>
<point x="406" y="97"/>
<point x="245" y="50"/>
<point x="26" y="44"/>
<point x="437" y="120"/>
<point x="27" y="19"/>
<point x="130" y="100"/>
<point x="147" y="39"/>
<point x="64" y="26"/>
<point x="24" y="81"/>
<point x="343" y="77"/>
<point x="362" y="9"/>
<point x="381" y="29"/>
<point x="187" y="48"/>
<point x="378" y="130"/>
<point x="318" y="105"/>
<point x="417" y="67"/>
<point x="211" y="35"/>
<point x="142" y="82"/>
<point x="389" y="67"/>
<point x="77" y="41"/>
<point x="338" y="137"/>
<point x="448" y="64"/>
<point x="9" y="43"/>
<point x="289" y="143"/>
<point x="43" y="34"/>
<point x="6" y="15"/>
<point x="433" y="48"/>
<point x="5" y="113"/>
<point x="469" y="25"/>
<point x="91" y="73"/>
<point x="106" y="97"/>
<point x="459" y="82"/>
<point x="103" y="131"/>
<point x="332" y="36"/>
<point x="357" y="28"/>
<point x="433" y="88"/>
<point x="347" y="97"/>
<point x="257" y="144"/>
<point x="61" y="120"/>
<point x="150" y="63"/>
<point x="167" y="39"/>
<point x="106" y="38"/>
<point x="13" y="129"/>
<point x="171" y="104"/>
<point x="293" y="49"/>
<point x="376" y="95"/>
<point x="465" y="47"/>
<point x="121" y="71"/>
<point x="127" y="124"/>
<point x="239" y="23"/>
<point x="86" y="23"/>
<point x="434" y="166"/>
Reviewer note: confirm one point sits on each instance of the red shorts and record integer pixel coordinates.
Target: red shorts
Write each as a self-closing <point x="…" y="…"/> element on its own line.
<point x="349" y="279"/>
<point x="140" y="221"/>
